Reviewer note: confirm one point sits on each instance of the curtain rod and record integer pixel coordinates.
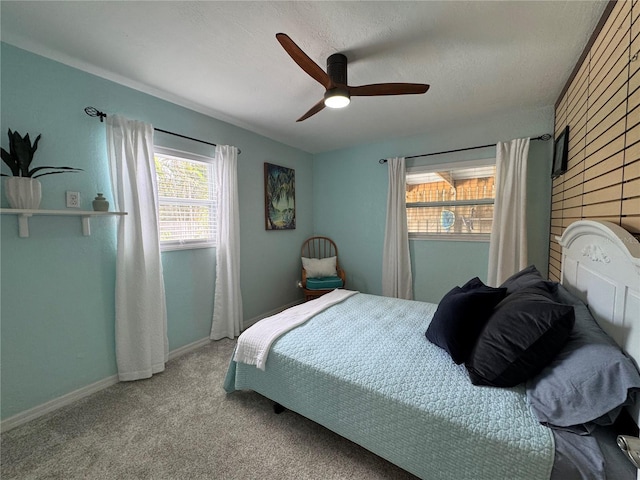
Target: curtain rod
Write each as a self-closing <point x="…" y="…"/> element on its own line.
<point x="543" y="137"/>
<point x="93" y="112"/>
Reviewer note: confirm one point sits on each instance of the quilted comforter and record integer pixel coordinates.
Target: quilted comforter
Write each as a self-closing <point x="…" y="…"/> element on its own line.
<point x="364" y="369"/>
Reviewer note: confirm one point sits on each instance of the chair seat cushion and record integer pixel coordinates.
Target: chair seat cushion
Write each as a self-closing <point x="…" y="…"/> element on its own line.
<point x="324" y="283"/>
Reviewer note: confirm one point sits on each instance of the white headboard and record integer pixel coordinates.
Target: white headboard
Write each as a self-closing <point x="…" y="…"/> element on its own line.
<point x="601" y="265"/>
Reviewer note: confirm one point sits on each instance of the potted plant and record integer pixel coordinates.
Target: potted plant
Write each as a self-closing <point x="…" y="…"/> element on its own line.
<point x="22" y="188"/>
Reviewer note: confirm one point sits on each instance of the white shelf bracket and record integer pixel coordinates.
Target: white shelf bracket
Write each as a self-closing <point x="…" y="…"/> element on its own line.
<point x="23" y="225"/>
<point x="86" y="226"/>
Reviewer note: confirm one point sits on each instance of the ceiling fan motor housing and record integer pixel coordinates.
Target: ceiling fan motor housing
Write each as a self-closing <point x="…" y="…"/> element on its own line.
<point x="337" y="68"/>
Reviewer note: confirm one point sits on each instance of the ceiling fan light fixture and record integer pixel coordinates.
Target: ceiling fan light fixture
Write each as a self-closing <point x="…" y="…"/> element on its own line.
<point x="337" y="98"/>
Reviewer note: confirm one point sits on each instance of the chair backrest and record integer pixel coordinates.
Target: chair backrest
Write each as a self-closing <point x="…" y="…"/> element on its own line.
<point x="319" y="247"/>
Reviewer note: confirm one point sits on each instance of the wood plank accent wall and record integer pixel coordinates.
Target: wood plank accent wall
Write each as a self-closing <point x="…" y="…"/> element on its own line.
<point x="601" y="105"/>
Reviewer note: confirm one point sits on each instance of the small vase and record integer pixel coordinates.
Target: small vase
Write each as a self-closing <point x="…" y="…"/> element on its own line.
<point x="100" y="204"/>
<point x="23" y="192"/>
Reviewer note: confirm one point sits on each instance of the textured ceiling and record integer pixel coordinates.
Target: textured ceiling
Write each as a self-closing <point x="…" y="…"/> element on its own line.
<point x="222" y="58"/>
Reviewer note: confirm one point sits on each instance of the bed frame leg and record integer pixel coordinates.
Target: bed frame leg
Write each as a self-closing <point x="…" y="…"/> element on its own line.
<point x="278" y="409"/>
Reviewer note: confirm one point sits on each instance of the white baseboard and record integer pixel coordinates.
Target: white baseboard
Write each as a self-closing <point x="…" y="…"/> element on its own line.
<point x="56" y="403"/>
<point x="247" y="323"/>
<point x="188" y="348"/>
<point x="64" y="400"/>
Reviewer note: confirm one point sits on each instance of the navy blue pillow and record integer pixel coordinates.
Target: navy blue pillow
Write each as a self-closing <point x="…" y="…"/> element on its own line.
<point x="460" y="317"/>
<point x="473" y="284"/>
<point x="525" y="332"/>
<point x="525" y="278"/>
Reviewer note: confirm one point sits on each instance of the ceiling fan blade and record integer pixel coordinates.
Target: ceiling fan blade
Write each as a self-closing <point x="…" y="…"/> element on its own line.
<point x="312" y="111"/>
<point x="303" y="60"/>
<point x="376" y="89"/>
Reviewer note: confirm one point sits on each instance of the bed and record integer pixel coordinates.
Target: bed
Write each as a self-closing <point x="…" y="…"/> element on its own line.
<point x="362" y="367"/>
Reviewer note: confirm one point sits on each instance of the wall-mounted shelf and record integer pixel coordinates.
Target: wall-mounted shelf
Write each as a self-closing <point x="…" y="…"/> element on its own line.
<point x="24" y="214"/>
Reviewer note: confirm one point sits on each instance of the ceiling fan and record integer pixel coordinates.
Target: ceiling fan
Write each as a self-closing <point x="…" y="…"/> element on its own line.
<point x="334" y="80"/>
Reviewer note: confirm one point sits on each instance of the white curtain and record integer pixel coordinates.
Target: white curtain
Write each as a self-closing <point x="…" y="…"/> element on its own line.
<point x="227" y="304"/>
<point x="508" y="244"/>
<point x="141" y="318"/>
<point x="396" y="262"/>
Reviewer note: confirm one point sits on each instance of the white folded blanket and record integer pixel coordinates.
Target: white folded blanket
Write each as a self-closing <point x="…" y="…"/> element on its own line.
<point x="255" y="342"/>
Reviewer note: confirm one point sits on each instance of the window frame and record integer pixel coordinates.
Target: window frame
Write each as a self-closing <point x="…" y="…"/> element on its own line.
<point x="168" y="246"/>
<point x="456" y="237"/>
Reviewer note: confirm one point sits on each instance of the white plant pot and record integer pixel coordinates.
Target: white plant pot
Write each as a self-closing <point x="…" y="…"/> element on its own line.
<point x="23" y="192"/>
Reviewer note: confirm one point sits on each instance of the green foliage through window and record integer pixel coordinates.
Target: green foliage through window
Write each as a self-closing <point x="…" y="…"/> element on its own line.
<point x="186" y="202"/>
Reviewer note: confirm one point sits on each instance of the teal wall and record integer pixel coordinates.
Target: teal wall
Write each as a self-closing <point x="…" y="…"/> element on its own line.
<point x="57" y="287"/>
<point x="350" y="194"/>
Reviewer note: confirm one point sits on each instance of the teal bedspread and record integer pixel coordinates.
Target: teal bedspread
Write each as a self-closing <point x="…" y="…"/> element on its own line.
<point x="364" y="369"/>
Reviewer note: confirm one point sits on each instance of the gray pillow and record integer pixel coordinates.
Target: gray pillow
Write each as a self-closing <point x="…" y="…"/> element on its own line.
<point x="588" y="382"/>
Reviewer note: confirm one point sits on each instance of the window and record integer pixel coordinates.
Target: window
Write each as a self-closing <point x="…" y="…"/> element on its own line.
<point x="453" y="201"/>
<point x="186" y="197"/>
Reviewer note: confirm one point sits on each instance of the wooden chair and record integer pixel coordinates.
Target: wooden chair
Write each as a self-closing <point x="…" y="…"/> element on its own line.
<point x="321" y="248"/>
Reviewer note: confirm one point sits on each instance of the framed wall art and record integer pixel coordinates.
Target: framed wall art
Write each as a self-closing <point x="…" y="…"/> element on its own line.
<point x="560" y="153"/>
<point x="279" y="197"/>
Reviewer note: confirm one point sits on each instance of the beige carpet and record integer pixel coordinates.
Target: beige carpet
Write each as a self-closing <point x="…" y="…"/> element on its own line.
<point x="182" y="425"/>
